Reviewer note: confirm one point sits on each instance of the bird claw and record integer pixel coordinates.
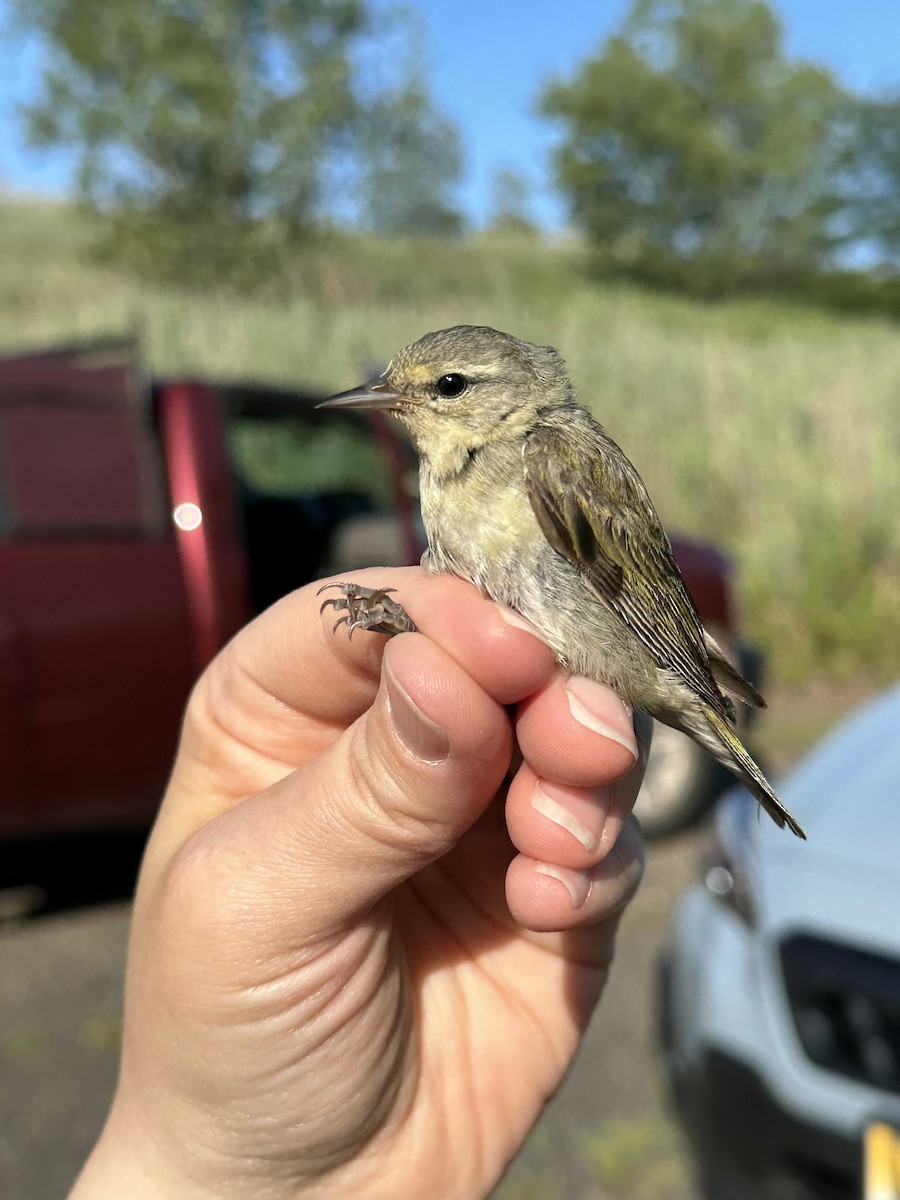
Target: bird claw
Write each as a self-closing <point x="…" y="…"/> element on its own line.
<point x="367" y="608"/>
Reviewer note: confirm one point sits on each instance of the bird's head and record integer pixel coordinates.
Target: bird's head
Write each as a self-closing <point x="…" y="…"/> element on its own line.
<point x="459" y="389"/>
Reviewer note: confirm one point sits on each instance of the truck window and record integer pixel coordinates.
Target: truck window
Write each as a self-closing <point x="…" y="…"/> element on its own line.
<point x="290" y="456"/>
<point x="306" y="485"/>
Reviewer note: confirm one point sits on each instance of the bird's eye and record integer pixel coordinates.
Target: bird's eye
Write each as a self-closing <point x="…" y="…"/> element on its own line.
<point x="452" y="385"/>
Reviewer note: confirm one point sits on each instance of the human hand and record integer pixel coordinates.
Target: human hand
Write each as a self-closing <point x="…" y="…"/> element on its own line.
<point x="349" y="975"/>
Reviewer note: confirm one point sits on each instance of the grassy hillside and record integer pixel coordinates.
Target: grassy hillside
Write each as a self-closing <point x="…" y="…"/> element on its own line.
<point x="772" y="429"/>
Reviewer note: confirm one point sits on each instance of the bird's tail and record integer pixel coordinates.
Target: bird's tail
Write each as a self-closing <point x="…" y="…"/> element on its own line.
<point x="731" y="753"/>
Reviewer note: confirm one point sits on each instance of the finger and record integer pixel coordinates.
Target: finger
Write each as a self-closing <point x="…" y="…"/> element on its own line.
<point x="578" y="732"/>
<point x="572" y="827"/>
<point x="494" y="645"/>
<point x="546" y="897"/>
<point x="394" y="792"/>
<point x="288" y="684"/>
<point x="563" y="823"/>
<point x="291" y="671"/>
<point x="500" y="649"/>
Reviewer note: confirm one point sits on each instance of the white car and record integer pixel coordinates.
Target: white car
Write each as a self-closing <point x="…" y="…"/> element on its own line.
<point x="780" y="991"/>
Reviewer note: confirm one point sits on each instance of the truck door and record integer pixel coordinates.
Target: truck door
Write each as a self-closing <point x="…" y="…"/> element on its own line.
<point x="95" y="657"/>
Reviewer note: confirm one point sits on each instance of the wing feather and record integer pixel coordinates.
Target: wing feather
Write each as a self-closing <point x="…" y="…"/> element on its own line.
<point x="588" y="498"/>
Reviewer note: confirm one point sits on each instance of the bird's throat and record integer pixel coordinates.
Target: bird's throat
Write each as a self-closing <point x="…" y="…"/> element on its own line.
<point x="449" y="461"/>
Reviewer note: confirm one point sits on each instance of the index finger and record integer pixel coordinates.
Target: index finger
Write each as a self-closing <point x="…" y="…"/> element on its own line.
<point x="291" y="674"/>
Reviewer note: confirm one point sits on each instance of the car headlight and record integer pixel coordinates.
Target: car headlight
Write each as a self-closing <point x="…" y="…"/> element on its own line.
<point x="723" y="868"/>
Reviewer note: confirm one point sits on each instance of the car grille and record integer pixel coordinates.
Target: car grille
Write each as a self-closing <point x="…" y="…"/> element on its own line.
<point x="846" y="1007"/>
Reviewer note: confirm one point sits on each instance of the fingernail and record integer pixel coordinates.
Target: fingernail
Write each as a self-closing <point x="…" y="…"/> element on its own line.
<point x="582" y="814"/>
<point x="577" y="883"/>
<point x="597" y="707"/>
<point x="419" y="734"/>
<point x="517" y="622"/>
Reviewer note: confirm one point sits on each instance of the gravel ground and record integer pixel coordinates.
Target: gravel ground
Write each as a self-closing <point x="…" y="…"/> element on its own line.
<point x="60" y="1023"/>
<point x="606" y="1133"/>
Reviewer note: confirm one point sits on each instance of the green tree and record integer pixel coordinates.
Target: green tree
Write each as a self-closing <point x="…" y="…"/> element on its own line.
<point x="510" y="203"/>
<point x="204" y="127"/>
<point x="410" y="159"/>
<point x="696" y="153"/>
<point x="874" y="218"/>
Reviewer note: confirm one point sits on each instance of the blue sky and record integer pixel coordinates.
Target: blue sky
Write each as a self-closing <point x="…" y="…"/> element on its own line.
<point x="488" y="61"/>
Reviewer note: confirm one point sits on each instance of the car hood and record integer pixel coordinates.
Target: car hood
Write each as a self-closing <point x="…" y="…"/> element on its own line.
<point x="846" y="795"/>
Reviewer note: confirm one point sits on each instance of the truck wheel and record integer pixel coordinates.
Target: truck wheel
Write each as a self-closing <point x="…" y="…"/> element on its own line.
<point x="680" y="785"/>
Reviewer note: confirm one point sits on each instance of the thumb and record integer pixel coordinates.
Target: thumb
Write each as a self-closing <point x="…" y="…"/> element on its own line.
<point x="391" y="794"/>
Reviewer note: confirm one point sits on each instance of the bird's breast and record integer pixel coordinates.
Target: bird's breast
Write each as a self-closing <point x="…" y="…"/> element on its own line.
<point x="481" y="526"/>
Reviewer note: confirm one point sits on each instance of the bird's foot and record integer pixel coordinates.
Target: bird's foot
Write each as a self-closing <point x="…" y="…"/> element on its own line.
<point x="367" y="608"/>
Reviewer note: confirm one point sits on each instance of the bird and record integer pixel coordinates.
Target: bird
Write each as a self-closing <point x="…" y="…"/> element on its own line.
<point x="525" y="494"/>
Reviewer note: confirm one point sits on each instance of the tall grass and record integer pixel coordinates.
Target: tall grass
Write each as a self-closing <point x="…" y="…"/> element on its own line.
<point x="771" y="429"/>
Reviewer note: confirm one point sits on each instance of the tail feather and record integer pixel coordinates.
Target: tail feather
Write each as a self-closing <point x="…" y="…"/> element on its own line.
<point x="730" y="751"/>
<point x="728" y="677"/>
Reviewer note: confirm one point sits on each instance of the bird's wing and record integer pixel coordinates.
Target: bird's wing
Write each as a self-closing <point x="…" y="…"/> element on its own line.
<point x="595" y="511"/>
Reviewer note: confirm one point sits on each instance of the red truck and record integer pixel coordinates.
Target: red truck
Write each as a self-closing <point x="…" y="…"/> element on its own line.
<point x="133" y="545"/>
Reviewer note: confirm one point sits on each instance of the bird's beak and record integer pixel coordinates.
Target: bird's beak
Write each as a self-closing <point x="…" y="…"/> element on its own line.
<point x="372" y="395"/>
